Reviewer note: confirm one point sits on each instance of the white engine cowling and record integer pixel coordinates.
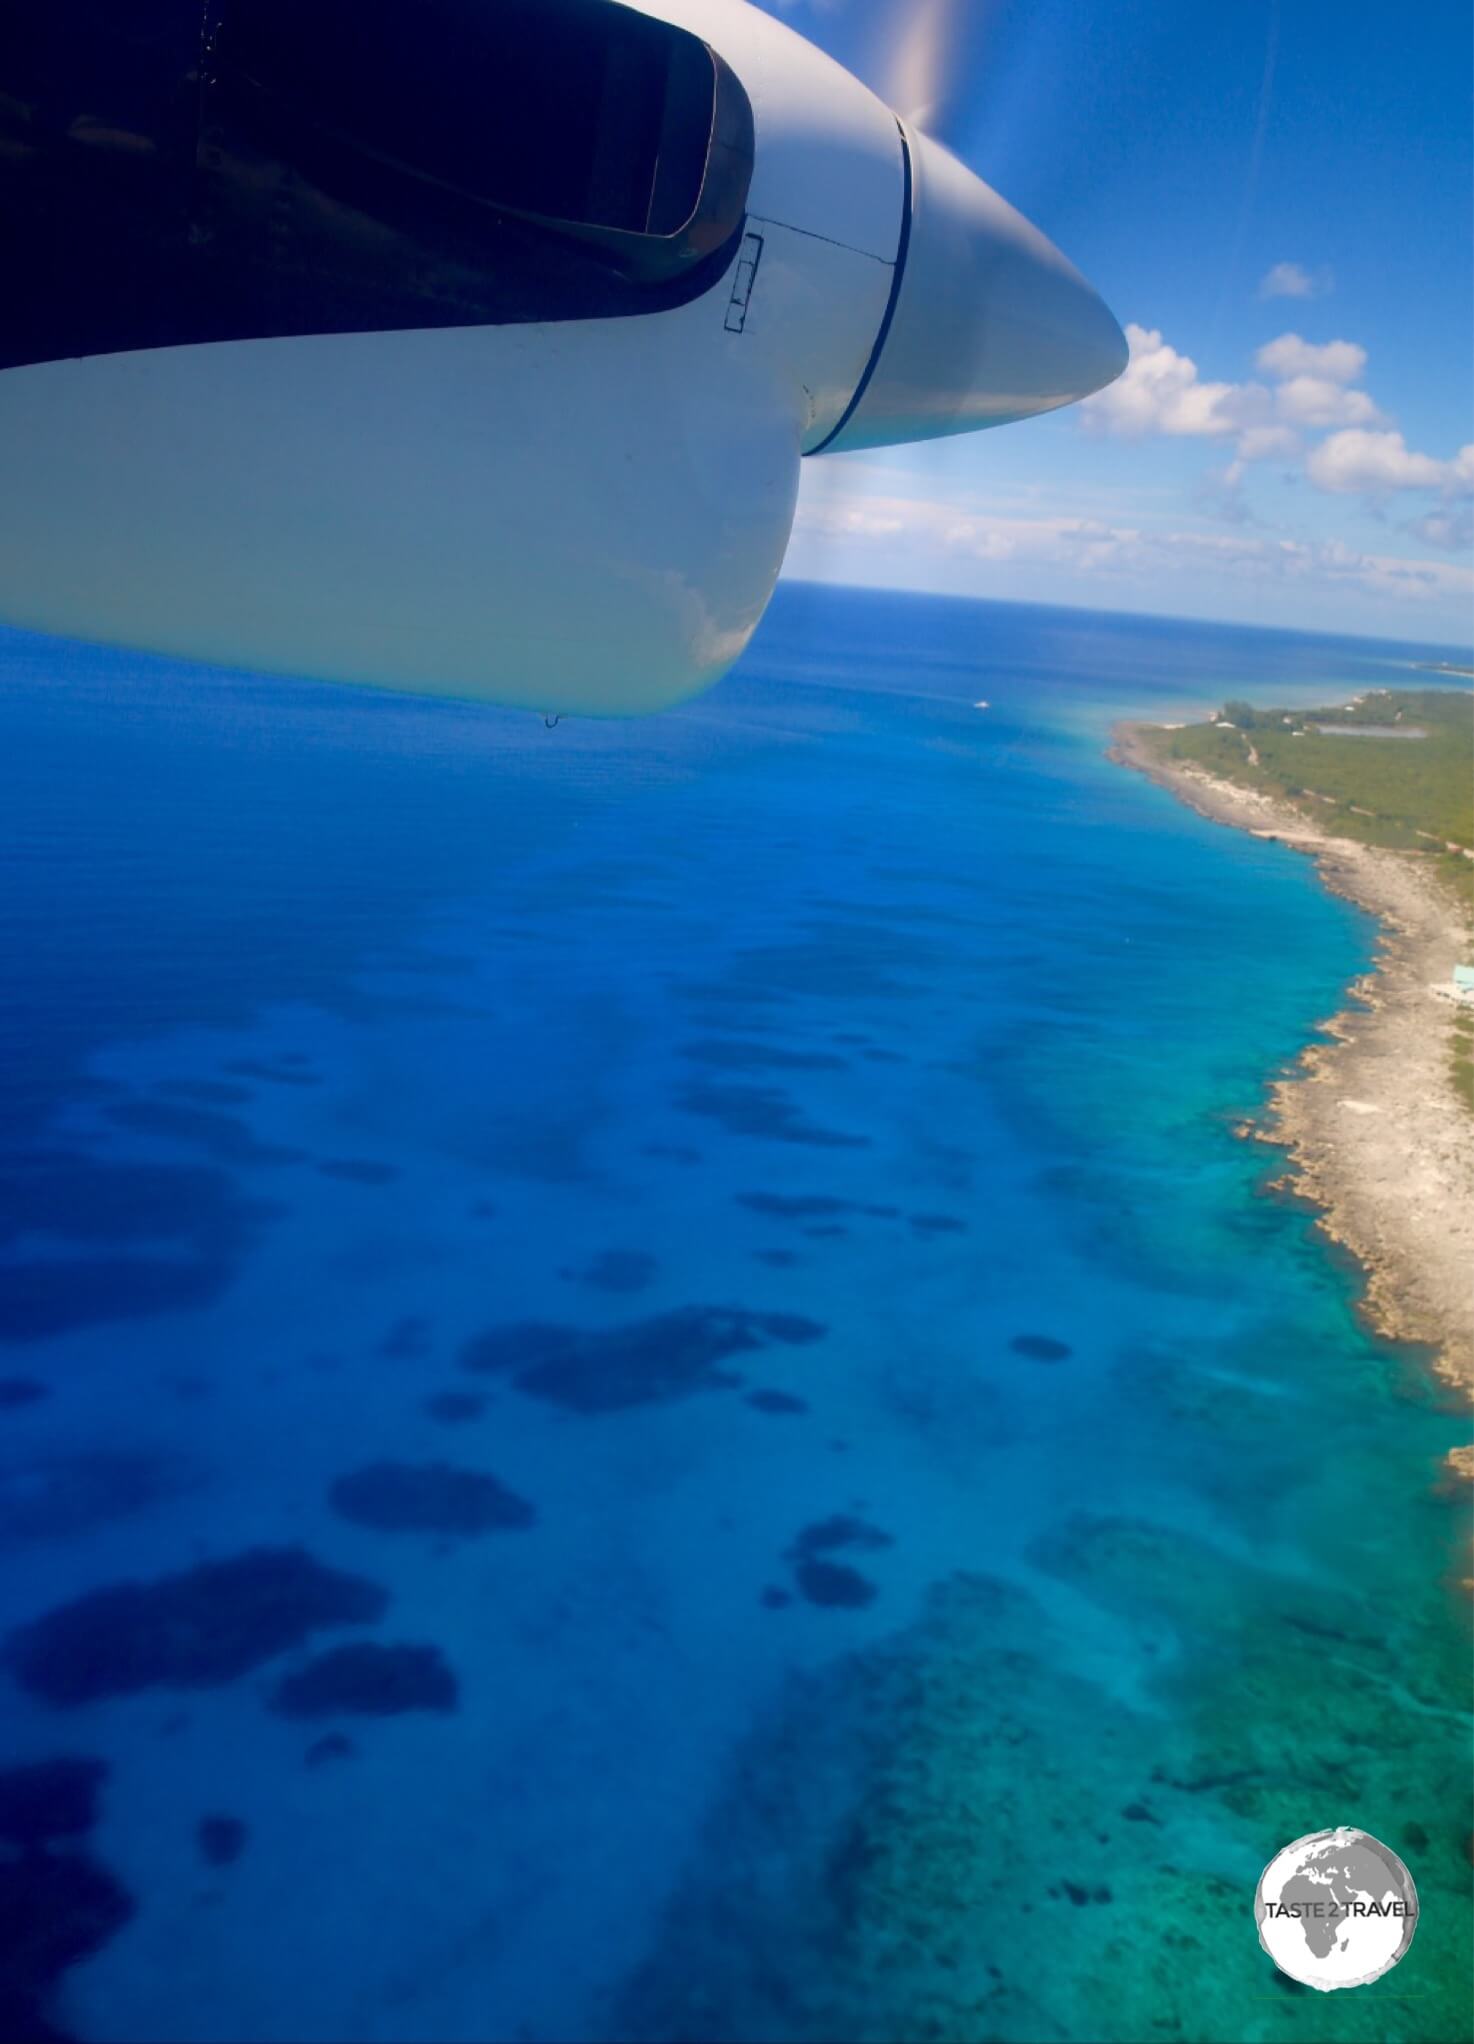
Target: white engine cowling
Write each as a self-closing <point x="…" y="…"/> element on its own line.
<point x="580" y="515"/>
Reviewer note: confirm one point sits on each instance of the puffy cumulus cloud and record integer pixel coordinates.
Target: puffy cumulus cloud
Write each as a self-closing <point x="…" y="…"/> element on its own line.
<point x="1312" y="382"/>
<point x="1317" y="401"/>
<point x="1332" y="361"/>
<point x="1266" y="443"/>
<point x="1451" y="528"/>
<point x="1312" y="393"/>
<point x="1311" y="401"/>
<point x="1161" y="391"/>
<point x="1293" y="280"/>
<point x="1359" y="463"/>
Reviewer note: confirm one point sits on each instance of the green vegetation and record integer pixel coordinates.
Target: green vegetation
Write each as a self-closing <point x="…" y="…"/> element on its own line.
<point x="1348" y="775"/>
<point x="1463" y="1059"/>
<point x="1356" y="770"/>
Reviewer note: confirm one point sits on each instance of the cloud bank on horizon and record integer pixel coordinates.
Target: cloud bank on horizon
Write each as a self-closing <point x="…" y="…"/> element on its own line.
<point x="1284" y="224"/>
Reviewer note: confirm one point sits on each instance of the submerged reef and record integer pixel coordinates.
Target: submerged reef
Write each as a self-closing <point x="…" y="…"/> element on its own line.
<point x="647" y="1362"/>
<point x="366" y="1680"/>
<point x="330" y="1747"/>
<point x="189" y="1631"/>
<point x="49" y="1799"/>
<point x="736" y="1054"/>
<point x="407" y="1340"/>
<point x="428" y="1497"/>
<point x="454" y="1408"/>
<point x="18" y="1391"/>
<point x="57" y="1903"/>
<point x="288" y="1068"/>
<point x="55" y="1908"/>
<point x="1041" y="1348"/>
<point x="835" y="1585"/>
<point x="221" y="1839"/>
<point x="766" y="1112"/>
<point x="811" y="1206"/>
<point x="358" y="1170"/>
<point x="224" y="1138"/>
<point x="783" y="1402"/>
<point x="958" y="1834"/>
<point x="115" y="1218"/>
<point x="615" y="1270"/>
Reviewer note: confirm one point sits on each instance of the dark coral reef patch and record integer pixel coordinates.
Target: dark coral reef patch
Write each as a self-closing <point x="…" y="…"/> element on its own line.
<point x="938" y="1224"/>
<point x="454" y="1408"/>
<point x="776" y="1402"/>
<point x="221" y="1840"/>
<point x="358" y="1170"/>
<point x="834" y="1584"/>
<point x="189" y="1631"/>
<point x="428" y="1497"/>
<point x="735" y="1054"/>
<point x="766" y="1112"/>
<point x="648" y="1362"/>
<point x="811" y="1206"/>
<point x="49" y="1799"/>
<point x="615" y="1270"/>
<point x="119" y="1214"/>
<point x="56" y="1906"/>
<point x="407" y="1340"/>
<point x="224" y="1138"/>
<point x="330" y="1747"/>
<point x="367" y="1680"/>
<point x="1041" y="1348"/>
<point x="16" y="1392"/>
<point x="286" y="1069"/>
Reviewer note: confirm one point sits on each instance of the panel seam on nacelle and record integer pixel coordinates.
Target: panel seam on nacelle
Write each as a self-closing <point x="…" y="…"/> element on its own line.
<point x="849" y="247"/>
<point x="897" y="277"/>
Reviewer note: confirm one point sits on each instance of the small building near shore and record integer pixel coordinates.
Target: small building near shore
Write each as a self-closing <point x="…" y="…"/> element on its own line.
<point x="1458" y="987"/>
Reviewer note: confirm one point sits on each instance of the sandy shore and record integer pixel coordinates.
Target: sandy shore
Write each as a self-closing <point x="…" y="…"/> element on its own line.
<point x="1377" y="1137"/>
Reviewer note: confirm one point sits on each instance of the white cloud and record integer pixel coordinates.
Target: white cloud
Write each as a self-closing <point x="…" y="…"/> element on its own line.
<point x="1452" y="528"/>
<point x="1265" y="443"/>
<point x="1293" y="280"/>
<point x="1289" y="355"/>
<point x="1161" y="392"/>
<point x="1317" y="401"/>
<point x="1133" y="555"/>
<point x="1358" y="463"/>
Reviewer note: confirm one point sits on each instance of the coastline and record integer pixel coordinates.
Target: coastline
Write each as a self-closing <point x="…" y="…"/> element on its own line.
<point x="1377" y="1139"/>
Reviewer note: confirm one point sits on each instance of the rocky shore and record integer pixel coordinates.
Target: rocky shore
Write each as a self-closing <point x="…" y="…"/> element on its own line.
<point x="1377" y="1137"/>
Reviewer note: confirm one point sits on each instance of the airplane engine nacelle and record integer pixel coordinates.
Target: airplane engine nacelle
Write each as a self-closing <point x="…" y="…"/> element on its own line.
<point x="474" y="351"/>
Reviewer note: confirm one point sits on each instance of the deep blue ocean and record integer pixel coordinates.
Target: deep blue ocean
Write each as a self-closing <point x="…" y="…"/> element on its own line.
<point x="644" y="1390"/>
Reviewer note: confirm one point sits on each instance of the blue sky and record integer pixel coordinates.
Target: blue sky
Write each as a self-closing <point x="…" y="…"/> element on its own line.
<point x="1274" y="196"/>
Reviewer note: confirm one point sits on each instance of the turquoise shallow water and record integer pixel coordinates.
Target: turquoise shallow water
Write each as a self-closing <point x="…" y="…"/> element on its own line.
<point x="788" y="1146"/>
